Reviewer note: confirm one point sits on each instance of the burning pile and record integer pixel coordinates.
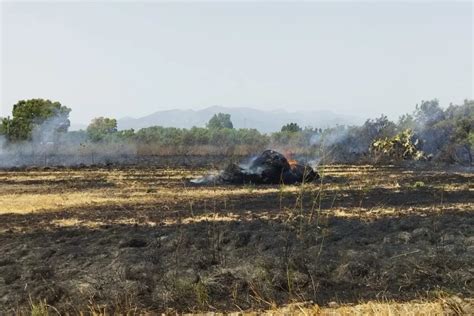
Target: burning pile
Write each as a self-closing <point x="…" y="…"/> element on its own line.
<point x="270" y="167"/>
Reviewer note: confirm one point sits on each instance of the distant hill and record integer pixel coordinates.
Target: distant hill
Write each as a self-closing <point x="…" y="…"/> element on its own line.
<point x="242" y="117"/>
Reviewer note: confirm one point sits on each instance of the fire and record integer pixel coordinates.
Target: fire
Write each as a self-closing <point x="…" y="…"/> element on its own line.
<point x="289" y="156"/>
<point x="292" y="162"/>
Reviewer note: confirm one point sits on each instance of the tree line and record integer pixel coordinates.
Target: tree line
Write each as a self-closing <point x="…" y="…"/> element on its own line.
<point x="430" y="132"/>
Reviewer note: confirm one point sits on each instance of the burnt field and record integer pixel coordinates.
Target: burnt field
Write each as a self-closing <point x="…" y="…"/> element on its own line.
<point x="146" y="239"/>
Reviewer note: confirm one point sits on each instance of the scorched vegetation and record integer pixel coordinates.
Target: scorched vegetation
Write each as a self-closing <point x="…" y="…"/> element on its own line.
<point x="136" y="239"/>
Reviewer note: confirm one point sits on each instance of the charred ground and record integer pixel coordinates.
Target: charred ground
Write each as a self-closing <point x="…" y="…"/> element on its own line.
<point x="115" y="238"/>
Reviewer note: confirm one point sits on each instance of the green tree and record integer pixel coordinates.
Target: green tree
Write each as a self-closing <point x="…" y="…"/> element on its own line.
<point x="30" y="115"/>
<point x="3" y="129"/>
<point x="220" y="121"/>
<point x="291" y="127"/>
<point x="126" y="134"/>
<point x="101" y="127"/>
<point x="471" y="139"/>
<point x="377" y="128"/>
<point x="405" y="122"/>
<point x="429" y="112"/>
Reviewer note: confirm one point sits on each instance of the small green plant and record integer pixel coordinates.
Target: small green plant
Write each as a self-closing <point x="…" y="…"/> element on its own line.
<point x="39" y="309"/>
<point x="202" y="295"/>
<point x="418" y="185"/>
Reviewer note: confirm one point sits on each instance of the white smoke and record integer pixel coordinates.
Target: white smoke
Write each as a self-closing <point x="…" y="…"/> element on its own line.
<point x="212" y="177"/>
<point x="50" y="145"/>
<point x="249" y="167"/>
<point x="2" y="144"/>
<point x="336" y="136"/>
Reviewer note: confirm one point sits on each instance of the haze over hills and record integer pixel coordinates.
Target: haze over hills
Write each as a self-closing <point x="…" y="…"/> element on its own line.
<point x="242" y="117"/>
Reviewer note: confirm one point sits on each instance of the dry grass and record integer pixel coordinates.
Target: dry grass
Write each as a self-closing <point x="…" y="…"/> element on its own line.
<point x="371" y="308"/>
<point x="416" y="308"/>
<point x="28" y="203"/>
<point x="163" y="186"/>
<point x="443" y="306"/>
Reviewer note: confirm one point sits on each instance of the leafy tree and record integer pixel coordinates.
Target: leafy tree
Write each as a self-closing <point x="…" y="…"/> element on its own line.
<point x="30" y="115"/>
<point x="462" y="135"/>
<point x="3" y="129"/>
<point x="378" y="128"/>
<point x="291" y="127"/>
<point x="405" y="122"/>
<point x="471" y="139"/>
<point x="443" y="134"/>
<point x="100" y="127"/>
<point x="220" y="121"/>
<point x="251" y="137"/>
<point x="196" y="135"/>
<point x="126" y="134"/>
<point x="429" y="112"/>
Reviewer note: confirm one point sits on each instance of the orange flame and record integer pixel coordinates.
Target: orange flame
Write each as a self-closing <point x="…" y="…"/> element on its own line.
<point x="289" y="156"/>
<point x="292" y="162"/>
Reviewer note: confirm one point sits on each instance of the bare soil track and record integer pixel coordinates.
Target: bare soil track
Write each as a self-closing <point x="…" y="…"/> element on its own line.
<point x="116" y="238"/>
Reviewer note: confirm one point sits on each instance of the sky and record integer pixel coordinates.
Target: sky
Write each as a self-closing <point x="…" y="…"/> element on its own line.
<point x="120" y="59"/>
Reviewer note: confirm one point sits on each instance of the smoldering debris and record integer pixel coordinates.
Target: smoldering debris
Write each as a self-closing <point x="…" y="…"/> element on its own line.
<point x="270" y="167"/>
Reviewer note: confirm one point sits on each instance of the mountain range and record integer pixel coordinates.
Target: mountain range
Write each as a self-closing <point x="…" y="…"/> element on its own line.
<point x="242" y="117"/>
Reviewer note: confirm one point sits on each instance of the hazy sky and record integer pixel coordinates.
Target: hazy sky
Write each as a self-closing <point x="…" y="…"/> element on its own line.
<point x="122" y="59"/>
